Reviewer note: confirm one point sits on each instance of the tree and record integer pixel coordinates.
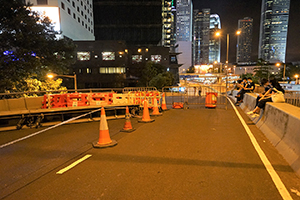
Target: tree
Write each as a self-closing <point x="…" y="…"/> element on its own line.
<point x="29" y="46"/>
<point x="262" y="70"/>
<point x="162" y="80"/>
<point x="150" y="70"/>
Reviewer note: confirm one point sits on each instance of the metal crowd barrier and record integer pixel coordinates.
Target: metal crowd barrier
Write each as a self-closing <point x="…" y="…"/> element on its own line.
<point x="292" y="97"/>
<point x="195" y="95"/>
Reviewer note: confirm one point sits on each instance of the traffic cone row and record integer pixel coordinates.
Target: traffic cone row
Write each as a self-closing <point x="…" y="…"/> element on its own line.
<point x="104" y="137"/>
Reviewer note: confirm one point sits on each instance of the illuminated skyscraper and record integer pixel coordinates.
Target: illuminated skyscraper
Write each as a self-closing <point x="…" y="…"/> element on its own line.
<point x="244" y="41"/>
<point x="201" y="36"/>
<point x="214" y="42"/>
<point x="184" y="30"/>
<point x="168" y="31"/>
<point x="273" y="30"/>
<point x="75" y="19"/>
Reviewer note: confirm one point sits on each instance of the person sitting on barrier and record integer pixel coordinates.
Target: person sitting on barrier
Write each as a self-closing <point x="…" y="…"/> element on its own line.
<point x="272" y="87"/>
<point x="249" y="87"/>
<point x="241" y="86"/>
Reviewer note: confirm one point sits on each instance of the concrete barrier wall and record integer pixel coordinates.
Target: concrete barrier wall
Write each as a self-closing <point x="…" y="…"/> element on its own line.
<point x="20" y="104"/>
<point x="280" y="122"/>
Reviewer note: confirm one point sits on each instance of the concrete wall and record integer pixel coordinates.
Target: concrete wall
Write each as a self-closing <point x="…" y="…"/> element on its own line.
<point x="30" y="103"/>
<point x="280" y="122"/>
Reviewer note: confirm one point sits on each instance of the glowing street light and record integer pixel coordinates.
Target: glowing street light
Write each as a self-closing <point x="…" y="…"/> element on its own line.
<point x="296" y="77"/>
<point x="284" y="65"/>
<point x="52" y="75"/>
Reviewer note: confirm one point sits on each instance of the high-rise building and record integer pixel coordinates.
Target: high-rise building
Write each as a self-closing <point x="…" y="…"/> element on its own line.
<point x="214" y="41"/>
<point x="244" y="41"/>
<point x="201" y="37"/>
<point x="73" y="18"/>
<point x="134" y="21"/>
<point x="184" y="31"/>
<point x="168" y="30"/>
<point x="273" y="30"/>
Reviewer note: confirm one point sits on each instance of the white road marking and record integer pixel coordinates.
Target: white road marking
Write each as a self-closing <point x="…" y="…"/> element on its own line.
<point x="73" y="164"/>
<point x="276" y="179"/>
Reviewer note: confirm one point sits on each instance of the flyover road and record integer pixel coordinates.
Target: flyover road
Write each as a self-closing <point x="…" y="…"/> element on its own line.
<point x="185" y="154"/>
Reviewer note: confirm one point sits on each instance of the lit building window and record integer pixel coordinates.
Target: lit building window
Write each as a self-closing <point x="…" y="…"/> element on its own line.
<point x="137" y="58"/>
<point x="156" y="58"/>
<point x="88" y="70"/>
<point x="83" y="56"/>
<point x="108" y="55"/>
<point x="112" y="70"/>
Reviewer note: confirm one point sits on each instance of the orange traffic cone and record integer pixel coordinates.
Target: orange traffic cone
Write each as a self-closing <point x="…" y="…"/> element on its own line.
<point x="104" y="137"/>
<point x="155" y="108"/>
<point x="146" y="116"/>
<point x="127" y="126"/>
<point x="163" y="102"/>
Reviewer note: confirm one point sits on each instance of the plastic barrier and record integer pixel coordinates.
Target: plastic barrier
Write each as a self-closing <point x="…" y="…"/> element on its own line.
<point x="99" y="99"/>
<point x="120" y="99"/>
<point x="211" y="99"/>
<point x="77" y="99"/>
<point x="58" y="100"/>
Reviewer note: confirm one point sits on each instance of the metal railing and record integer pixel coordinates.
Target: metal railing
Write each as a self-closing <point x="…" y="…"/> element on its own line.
<point x="292" y="97"/>
<point x="195" y="95"/>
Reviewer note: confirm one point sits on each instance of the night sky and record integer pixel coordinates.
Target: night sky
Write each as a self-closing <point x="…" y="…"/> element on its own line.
<point x="230" y="11"/>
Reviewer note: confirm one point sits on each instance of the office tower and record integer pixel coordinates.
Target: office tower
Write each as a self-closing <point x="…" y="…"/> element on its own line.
<point x="244" y="41"/>
<point x="134" y="21"/>
<point x="201" y="36"/>
<point x="184" y="17"/>
<point x="73" y="18"/>
<point x="214" y="41"/>
<point x="273" y="30"/>
<point x="168" y="34"/>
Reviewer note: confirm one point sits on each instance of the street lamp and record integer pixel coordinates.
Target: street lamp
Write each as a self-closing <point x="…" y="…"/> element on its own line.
<point x="52" y="75"/>
<point x="296" y="77"/>
<point x="278" y="65"/>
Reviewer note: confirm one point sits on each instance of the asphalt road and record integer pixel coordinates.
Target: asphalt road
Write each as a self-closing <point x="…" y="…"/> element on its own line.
<point x="185" y="154"/>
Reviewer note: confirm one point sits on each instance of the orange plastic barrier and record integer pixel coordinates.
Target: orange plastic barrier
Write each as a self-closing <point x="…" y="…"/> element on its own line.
<point x="77" y="99"/>
<point x="100" y="99"/>
<point x="211" y="99"/>
<point x="177" y="105"/>
<point x="58" y="100"/>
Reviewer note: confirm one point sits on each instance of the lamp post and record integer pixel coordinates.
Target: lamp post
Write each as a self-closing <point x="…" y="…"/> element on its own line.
<point x="296" y="77"/>
<point x="284" y="65"/>
<point x="52" y="75"/>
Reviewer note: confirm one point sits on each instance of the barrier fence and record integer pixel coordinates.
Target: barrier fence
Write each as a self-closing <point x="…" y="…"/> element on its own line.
<point x="195" y="95"/>
<point x="292" y="97"/>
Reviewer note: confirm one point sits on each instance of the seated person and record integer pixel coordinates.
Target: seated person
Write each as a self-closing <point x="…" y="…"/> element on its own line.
<point x="249" y="87"/>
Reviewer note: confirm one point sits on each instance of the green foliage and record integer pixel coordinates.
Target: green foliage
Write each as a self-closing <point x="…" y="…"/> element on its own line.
<point x="34" y="85"/>
<point x="29" y="46"/>
<point x="150" y="70"/>
<point x="255" y="79"/>
<point x="262" y="70"/>
<point x="292" y="70"/>
<point x="162" y="79"/>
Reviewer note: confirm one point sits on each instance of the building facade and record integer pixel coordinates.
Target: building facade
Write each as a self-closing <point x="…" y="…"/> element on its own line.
<point x="184" y="32"/>
<point x="244" y="41"/>
<point x="72" y="17"/>
<point x="214" y="41"/>
<point x="201" y="37"/>
<point x="168" y="30"/>
<point x="111" y="64"/>
<point x="134" y="21"/>
<point x="273" y="30"/>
